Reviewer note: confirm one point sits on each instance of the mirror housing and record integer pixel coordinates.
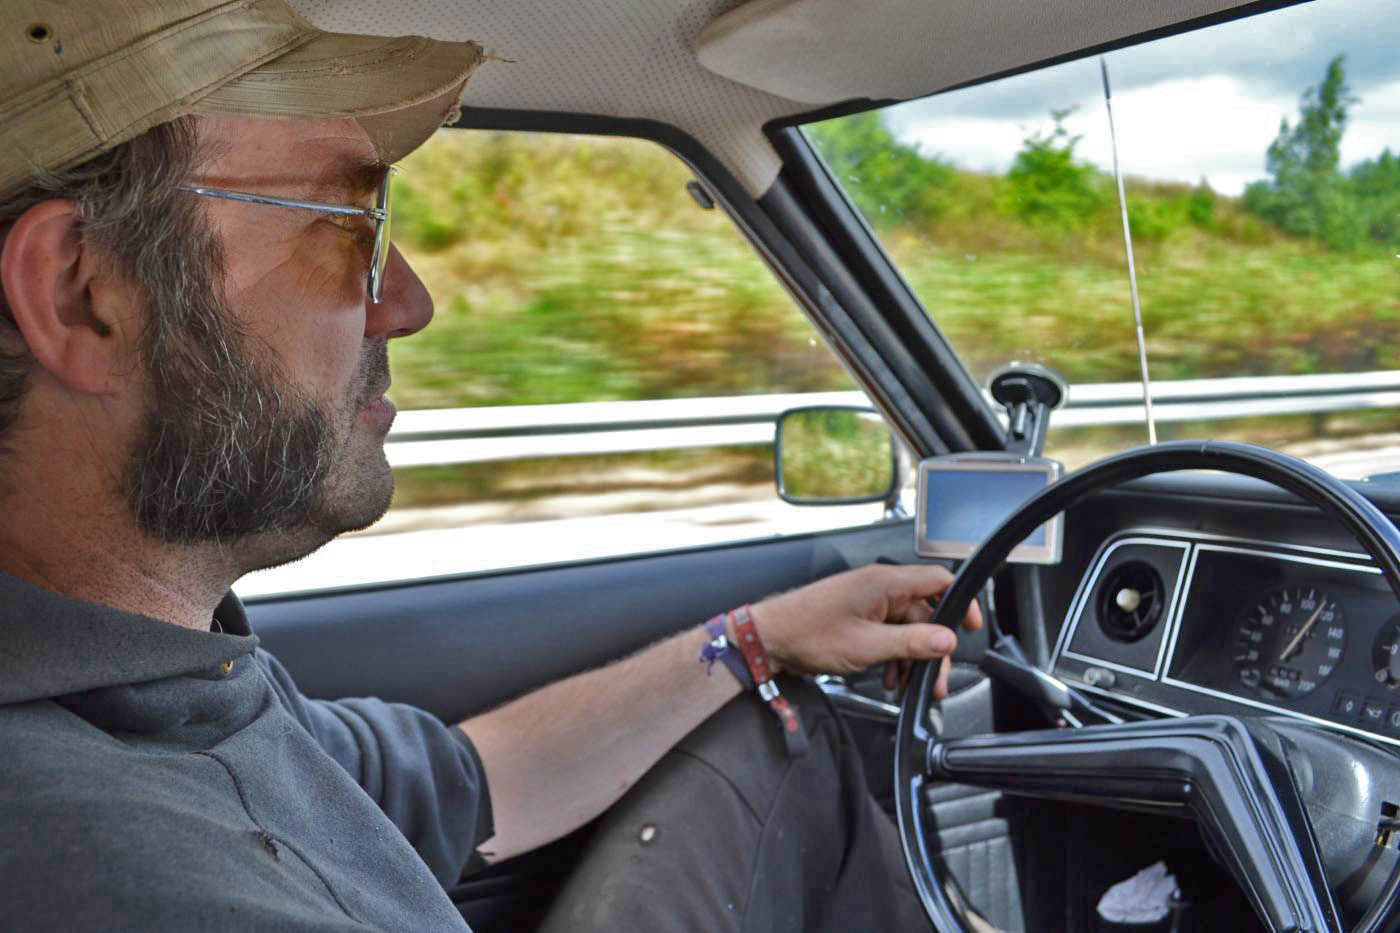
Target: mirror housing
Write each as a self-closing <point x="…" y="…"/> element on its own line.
<point x="834" y="455"/>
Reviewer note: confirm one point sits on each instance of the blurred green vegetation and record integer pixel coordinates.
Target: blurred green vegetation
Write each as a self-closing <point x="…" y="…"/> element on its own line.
<point x="571" y="269"/>
<point x="832" y="453"/>
<point x="892" y="182"/>
<point x="653" y="474"/>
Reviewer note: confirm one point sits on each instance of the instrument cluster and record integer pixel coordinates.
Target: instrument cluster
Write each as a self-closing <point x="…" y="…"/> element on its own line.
<point x="1309" y="633"/>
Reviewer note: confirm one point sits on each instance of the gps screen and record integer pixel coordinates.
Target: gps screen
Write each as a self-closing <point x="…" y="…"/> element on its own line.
<point x="965" y="505"/>
<point x="963" y="499"/>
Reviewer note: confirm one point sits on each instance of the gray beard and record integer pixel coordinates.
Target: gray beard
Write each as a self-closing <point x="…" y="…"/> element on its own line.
<point x="228" y="451"/>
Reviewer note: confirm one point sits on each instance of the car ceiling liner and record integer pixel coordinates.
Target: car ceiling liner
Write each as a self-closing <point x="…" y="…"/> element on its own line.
<point x="720" y="71"/>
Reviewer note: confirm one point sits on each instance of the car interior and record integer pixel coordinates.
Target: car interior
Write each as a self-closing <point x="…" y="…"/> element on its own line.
<point x="1132" y="701"/>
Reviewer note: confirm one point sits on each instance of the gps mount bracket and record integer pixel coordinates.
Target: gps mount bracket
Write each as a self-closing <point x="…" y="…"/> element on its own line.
<point x="1028" y="392"/>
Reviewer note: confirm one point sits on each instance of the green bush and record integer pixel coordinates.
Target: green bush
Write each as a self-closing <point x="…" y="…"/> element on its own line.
<point x="1049" y="185"/>
<point x="1200" y="206"/>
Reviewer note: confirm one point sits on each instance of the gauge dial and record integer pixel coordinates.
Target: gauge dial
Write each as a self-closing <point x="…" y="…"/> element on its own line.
<point x="1385" y="654"/>
<point x="1290" y="641"/>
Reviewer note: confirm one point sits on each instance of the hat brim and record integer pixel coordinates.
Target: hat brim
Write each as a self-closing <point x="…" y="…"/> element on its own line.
<point x="399" y="89"/>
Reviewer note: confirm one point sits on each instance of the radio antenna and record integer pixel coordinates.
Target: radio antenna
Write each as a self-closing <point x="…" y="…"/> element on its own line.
<point x="1132" y="266"/>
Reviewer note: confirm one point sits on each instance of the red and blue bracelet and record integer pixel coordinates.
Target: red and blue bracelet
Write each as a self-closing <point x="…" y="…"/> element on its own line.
<point x="753" y="672"/>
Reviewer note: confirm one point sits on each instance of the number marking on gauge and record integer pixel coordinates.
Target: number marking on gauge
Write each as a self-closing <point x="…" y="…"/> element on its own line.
<point x="1290" y="641"/>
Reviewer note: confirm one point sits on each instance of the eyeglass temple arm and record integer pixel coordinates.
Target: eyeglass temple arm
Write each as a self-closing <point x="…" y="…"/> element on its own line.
<point x="343" y="210"/>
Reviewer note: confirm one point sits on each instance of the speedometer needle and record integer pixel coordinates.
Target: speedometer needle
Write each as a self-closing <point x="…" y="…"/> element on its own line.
<point x="1302" y="633"/>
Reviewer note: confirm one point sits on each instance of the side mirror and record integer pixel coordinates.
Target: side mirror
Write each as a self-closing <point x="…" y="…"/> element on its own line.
<point x="833" y="455"/>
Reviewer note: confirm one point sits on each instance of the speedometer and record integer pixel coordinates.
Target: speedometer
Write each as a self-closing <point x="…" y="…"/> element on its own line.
<point x="1290" y="641"/>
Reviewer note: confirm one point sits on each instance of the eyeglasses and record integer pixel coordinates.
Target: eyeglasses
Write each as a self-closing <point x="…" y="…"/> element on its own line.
<point x="380" y="214"/>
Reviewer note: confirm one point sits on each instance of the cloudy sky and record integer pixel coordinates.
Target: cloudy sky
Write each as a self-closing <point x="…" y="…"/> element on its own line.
<point x="1203" y="104"/>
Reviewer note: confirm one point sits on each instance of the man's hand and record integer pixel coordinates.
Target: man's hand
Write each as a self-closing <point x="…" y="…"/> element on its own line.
<point x="859" y="618"/>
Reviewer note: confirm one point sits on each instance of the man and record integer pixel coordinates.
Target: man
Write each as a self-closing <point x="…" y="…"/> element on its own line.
<point x="198" y="291"/>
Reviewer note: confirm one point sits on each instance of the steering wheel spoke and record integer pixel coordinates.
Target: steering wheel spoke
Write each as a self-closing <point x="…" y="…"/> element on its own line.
<point x="1239" y="791"/>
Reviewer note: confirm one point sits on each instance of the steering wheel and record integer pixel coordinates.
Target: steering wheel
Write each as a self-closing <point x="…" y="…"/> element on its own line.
<point x="1258" y="787"/>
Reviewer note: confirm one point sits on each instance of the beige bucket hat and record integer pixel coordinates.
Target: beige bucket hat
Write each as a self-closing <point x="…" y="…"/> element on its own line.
<point x="79" y="77"/>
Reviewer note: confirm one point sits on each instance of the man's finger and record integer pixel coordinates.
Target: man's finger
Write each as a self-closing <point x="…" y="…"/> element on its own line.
<point x="916" y="612"/>
<point x="972" y="621"/>
<point x="917" y="582"/>
<point x="940" y="686"/>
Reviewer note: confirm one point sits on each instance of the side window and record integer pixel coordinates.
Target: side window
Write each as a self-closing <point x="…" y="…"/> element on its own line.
<point x="581" y="294"/>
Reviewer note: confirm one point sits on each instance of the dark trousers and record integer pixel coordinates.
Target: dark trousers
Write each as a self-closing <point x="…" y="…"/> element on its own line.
<point x="727" y="833"/>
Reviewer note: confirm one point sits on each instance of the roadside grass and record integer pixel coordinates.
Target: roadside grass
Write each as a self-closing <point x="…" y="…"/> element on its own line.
<point x="647" y="481"/>
<point x="1210" y="308"/>
<point x="571" y="269"/>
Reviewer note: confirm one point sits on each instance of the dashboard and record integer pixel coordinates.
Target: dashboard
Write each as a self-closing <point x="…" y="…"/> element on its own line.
<point x="1184" y="622"/>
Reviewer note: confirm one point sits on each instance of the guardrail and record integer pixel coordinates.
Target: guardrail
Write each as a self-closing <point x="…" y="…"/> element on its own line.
<point x="512" y="432"/>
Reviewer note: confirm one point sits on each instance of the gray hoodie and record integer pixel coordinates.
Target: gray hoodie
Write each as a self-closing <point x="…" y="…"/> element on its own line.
<point x="153" y="777"/>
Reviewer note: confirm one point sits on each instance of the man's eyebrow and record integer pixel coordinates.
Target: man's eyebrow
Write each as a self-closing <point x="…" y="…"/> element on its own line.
<point x="352" y="174"/>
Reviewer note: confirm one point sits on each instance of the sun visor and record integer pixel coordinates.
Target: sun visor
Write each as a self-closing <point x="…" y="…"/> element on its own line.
<point x="826" y="51"/>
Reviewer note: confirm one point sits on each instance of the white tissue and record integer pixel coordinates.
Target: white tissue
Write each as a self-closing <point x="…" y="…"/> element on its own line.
<point x="1144" y="898"/>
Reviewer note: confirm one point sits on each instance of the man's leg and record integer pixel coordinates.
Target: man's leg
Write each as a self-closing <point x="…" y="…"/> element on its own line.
<point x="728" y="833"/>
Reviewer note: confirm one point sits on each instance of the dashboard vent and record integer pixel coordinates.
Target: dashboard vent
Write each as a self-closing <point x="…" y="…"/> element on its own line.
<point x="1130" y="601"/>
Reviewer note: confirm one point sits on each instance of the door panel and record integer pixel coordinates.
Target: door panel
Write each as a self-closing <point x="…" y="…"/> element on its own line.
<point x="456" y="647"/>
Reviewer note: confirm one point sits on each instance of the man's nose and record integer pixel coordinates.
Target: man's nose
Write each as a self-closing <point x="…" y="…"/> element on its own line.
<point x="404" y="307"/>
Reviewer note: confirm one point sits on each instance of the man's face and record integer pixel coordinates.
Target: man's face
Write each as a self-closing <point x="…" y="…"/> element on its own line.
<point x="266" y="417"/>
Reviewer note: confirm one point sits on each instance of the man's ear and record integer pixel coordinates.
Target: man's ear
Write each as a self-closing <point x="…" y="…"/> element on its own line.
<point x="77" y="318"/>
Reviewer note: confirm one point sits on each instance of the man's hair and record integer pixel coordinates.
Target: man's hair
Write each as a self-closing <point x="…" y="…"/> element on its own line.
<point x="132" y="211"/>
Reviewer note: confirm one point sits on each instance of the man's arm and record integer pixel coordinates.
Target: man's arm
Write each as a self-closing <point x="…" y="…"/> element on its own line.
<point x="559" y="756"/>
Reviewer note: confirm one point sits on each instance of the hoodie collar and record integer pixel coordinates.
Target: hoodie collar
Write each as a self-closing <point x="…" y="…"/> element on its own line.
<point x="51" y="644"/>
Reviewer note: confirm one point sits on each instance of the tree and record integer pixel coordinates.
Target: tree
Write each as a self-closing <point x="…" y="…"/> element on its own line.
<point x="1313" y="147"/>
<point x="1308" y="194"/>
<point x="1376" y="186"/>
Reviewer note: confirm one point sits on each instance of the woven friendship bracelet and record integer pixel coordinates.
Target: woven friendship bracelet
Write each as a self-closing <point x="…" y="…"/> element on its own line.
<point x="756" y="656"/>
<point x="718" y="648"/>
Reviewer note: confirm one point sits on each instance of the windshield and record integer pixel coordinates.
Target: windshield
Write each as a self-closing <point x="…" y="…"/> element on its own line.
<point x="1261" y="164"/>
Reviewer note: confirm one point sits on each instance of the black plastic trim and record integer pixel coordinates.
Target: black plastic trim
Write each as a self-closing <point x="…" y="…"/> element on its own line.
<point x="459" y="645"/>
<point x="1210" y="764"/>
<point x="893" y="377"/>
